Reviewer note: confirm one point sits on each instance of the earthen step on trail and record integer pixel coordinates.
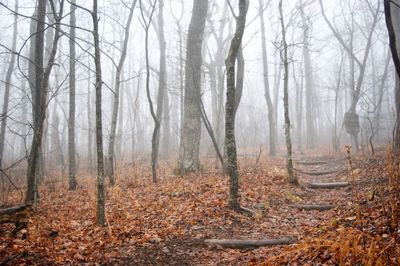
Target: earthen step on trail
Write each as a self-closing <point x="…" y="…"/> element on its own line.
<point x="316" y="172"/>
<point x="312" y="207"/>
<point x="310" y="162"/>
<point x="331" y="185"/>
<point x="249" y="243"/>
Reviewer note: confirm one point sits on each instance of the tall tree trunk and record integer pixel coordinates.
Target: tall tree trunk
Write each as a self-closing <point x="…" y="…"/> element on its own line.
<point x="191" y="132"/>
<point x="117" y="85"/>
<point x="89" y="121"/>
<point x="40" y="93"/>
<point x="392" y="13"/>
<point x="71" y="120"/>
<point x="267" y="93"/>
<point x="284" y="55"/>
<point x="100" y="210"/>
<point x="309" y="83"/>
<point x="231" y="106"/>
<point x="10" y="70"/>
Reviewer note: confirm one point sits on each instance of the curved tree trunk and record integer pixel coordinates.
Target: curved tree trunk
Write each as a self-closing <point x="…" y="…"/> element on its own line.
<point x="117" y="85"/>
<point x="231" y="106"/>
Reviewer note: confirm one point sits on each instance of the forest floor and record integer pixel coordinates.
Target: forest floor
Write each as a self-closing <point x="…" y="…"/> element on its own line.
<point x="167" y="223"/>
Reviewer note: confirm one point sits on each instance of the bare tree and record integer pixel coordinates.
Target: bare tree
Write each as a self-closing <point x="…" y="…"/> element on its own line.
<point x="10" y="70"/>
<point x="40" y="91"/>
<point x="231" y="106"/>
<point x="117" y="85"/>
<point x="272" y="125"/>
<point x="155" y="141"/>
<point x="309" y="80"/>
<point x="284" y="56"/>
<point x="351" y="118"/>
<point x="191" y="132"/>
<point x="392" y="13"/>
<point x="100" y="209"/>
<point x="72" y="87"/>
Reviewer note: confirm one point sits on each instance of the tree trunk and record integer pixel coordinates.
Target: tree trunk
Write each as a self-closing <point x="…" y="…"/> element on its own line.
<point x="309" y="83"/>
<point x="267" y="93"/>
<point x="71" y="120"/>
<point x="191" y="131"/>
<point x="230" y="107"/>
<point x="284" y="55"/>
<point x="162" y="94"/>
<point x="39" y="94"/>
<point x="393" y="27"/>
<point x="6" y="99"/>
<point x="100" y="211"/>
<point x="117" y="85"/>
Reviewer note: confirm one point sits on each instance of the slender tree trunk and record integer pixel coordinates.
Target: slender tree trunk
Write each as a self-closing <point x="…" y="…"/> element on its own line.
<point x="284" y="55"/>
<point x="309" y="83"/>
<point x="100" y="210"/>
<point x="267" y="94"/>
<point x="71" y="121"/>
<point x="89" y="120"/>
<point x="190" y="145"/>
<point x="10" y="70"/>
<point x="117" y="85"/>
<point x="231" y="106"/>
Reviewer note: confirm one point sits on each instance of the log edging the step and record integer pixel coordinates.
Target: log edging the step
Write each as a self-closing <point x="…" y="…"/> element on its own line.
<point x="248" y="243"/>
<point x="328" y="185"/>
<point x="312" y="207"/>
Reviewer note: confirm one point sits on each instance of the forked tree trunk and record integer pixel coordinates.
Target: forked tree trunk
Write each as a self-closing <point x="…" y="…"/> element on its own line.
<point x="117" y="85"/>
<point x="231" y="106"/>
<point x="39" y="93"/>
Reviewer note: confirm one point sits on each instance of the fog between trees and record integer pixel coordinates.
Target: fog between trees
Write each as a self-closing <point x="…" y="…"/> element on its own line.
<point x="150" y="80"/>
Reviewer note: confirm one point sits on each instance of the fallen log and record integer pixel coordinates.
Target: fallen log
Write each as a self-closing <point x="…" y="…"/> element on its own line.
<point x="328" y="185"/>
<point x="9" y="259"/>
<point x="310" y="207"/>
<point x="248" y="243"/>
<point x="316" y="172"/>
<point x="18" y="215"/>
